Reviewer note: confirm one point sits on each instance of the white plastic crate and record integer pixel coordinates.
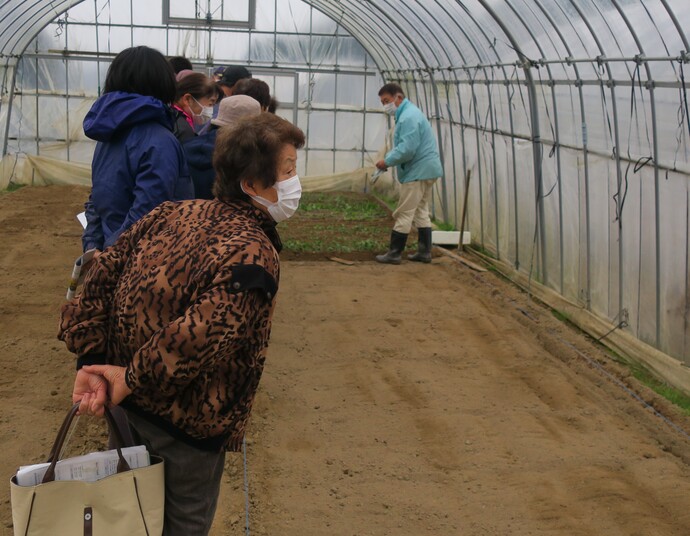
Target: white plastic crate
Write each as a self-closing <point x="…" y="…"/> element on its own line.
<point x="449" y="238"/>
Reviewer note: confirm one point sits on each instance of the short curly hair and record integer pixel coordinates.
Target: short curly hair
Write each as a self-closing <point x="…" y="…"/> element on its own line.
<point x="250" y="150"/>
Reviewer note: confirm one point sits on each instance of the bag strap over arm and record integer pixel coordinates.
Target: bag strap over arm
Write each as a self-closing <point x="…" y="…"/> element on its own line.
<point x="54" y="455"/>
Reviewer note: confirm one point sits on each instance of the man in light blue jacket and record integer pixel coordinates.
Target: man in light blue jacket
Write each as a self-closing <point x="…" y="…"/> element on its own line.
<point x="416" y="155"/>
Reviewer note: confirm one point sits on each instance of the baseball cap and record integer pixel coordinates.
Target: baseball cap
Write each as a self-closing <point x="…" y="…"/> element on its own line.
<point x="219" y="70"/>
<point x="233" y="73"/>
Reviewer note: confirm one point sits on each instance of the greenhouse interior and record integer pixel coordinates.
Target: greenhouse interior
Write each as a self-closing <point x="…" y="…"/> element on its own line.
<point x="563" y="125"/>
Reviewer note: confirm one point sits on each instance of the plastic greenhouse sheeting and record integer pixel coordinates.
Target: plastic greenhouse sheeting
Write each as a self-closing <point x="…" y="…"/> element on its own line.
<point x="570" y="117"/>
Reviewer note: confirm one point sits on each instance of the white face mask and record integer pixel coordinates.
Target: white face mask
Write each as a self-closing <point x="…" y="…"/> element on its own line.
<point x="390" y="108"/>
<point x="204" y="116"/>
<point x="289" y="193"/>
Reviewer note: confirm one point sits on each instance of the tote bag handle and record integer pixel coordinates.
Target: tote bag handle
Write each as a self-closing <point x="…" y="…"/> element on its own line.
<point x="122" y="464"/>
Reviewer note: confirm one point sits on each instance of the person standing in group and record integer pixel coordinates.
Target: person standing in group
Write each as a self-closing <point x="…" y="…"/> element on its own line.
<point x="415" y="153"/>
<point x="218" y="73"/>
<point x="232" y="75"/>
<point x="194" y="99"/>
<point x="137" y="163"/>
<point x="199" y="150"/>
<point x="255" y="88"/>
<point x="174" y="320"/>
<point x="180" y="63"/>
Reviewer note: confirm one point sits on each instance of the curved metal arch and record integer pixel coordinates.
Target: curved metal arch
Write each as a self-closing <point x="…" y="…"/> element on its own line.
<point x="550" y="20"/>
<point x="22" y="16"/>
<point x="361" y="29"/>
<point x="676" y="24"/>
<point x="353" y="27"/>
<point x="27" y="20"/>
<point x="42" y="22"/>
<point x="409" y="40"/>
<point x="406" y="48"/>
<point x="461" y="5"/>
<point x="613" y="34"/>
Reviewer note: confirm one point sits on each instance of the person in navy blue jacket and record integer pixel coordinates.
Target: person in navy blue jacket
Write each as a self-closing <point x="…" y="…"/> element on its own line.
<point x="199" y="150"/>
<point x="138" y="163"/>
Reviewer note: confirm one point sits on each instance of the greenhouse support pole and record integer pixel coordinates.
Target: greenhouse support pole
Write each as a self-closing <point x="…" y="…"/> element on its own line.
<point x="655" y="155"/>
<point x="489" y="94"/>
<point x="515" y="188"/>
<point x="612" y="87"/>
<point x="444" y="188"/>
<point x="557" y="141"/>
<point x="38" y="114"/>
<point x="526" y="65"/>
<point x="479" y="165"/>
<point x="538" y="178"/>
<point x="67" y="129"/>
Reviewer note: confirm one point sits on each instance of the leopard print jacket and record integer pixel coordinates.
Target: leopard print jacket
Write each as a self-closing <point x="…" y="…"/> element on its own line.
<point x="183" y="300"/>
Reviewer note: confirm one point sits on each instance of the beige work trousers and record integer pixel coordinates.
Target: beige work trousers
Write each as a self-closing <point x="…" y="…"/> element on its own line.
<point x="413" y="206"/>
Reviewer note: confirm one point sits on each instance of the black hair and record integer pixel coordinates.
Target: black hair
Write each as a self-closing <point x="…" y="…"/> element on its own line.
<point x="392" y="89"/>
<point x="180" y="63"/>
<point x="255" y="88"/>
<point x="144" y="71"/>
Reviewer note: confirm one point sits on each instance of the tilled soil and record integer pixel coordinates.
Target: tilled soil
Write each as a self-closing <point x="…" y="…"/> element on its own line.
<point x="396" y="400"/>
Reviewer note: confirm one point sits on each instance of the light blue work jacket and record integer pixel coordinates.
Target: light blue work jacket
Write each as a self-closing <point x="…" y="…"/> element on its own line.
<point x="415" y="151"/>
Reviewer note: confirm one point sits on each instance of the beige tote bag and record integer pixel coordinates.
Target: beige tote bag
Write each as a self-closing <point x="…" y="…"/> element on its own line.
<point x="127" y="503"/>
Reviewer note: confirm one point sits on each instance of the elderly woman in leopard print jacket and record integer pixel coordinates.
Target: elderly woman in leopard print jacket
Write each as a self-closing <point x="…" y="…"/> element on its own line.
<point x="174" y="319"/>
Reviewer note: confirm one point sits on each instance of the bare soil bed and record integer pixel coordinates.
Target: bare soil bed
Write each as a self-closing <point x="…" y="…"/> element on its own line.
<point x="396" y="400"/>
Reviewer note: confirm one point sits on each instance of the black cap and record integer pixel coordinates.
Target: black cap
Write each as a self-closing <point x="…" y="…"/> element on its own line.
<point x="233" y="73"/>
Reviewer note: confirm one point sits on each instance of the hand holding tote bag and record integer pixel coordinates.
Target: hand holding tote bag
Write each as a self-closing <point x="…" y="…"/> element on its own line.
<point x="127" y="503"/>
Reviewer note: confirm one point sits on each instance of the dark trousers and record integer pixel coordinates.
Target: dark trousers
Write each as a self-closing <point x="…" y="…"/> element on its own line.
<point x="192" y="479"/>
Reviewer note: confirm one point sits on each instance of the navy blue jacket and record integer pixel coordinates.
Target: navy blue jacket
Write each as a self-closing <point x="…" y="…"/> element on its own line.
<point x="137" y="165"/>
<point x="199" y="154"/>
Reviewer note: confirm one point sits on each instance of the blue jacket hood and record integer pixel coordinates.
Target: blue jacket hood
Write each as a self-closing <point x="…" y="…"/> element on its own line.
<point x="118" y="111"/>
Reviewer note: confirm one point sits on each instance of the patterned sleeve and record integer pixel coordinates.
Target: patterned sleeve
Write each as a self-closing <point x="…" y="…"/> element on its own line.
<point x="84" y="319"/>
<point x="228" y="323"/>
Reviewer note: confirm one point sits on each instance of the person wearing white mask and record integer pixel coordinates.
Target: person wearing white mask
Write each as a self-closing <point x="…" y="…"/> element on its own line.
<point x="199" y="150"/>
<point x="174" y="319"/>
<point x="194" y="99"/>
<point x="416" y="156"/>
